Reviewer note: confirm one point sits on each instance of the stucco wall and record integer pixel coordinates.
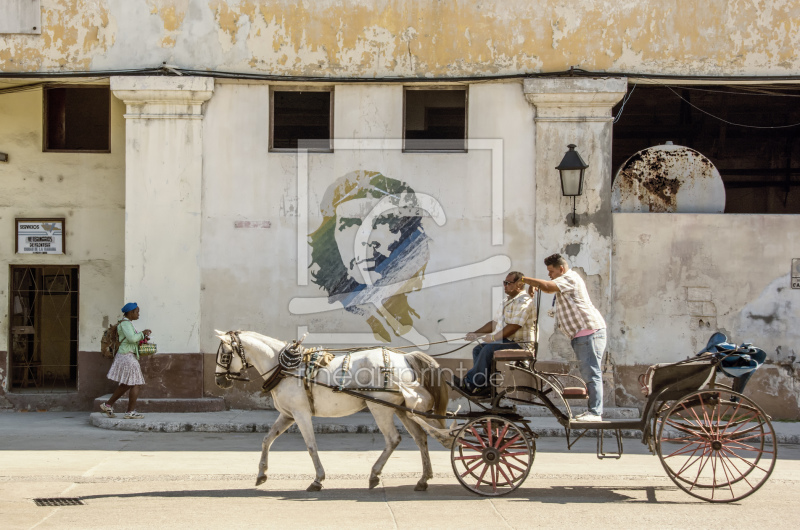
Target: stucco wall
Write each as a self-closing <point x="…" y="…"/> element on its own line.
<point x="364" y="38"/>
<point x="677" y="278"/>
<point x="87" y="189"/>
<point x="250" y="209"/>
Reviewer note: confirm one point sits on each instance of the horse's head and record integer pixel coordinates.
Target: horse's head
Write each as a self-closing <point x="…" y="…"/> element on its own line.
<point x="231" y="360"/>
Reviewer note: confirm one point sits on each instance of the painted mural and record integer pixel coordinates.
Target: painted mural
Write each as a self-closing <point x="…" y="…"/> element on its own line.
<point x="371" y="250"/>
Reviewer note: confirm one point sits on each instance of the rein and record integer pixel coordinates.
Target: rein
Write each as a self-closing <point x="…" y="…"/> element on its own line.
<point x="289" y="357"/>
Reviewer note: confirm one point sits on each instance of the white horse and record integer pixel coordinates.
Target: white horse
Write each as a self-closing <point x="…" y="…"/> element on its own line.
<point x="414" y="378"/>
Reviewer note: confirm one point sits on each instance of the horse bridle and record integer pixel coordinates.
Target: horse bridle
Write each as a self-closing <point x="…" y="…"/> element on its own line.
<point x="225" y="358"/>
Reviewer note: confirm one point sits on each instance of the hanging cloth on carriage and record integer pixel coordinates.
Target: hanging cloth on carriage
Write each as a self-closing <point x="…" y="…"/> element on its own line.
<point x="738" y="362"/>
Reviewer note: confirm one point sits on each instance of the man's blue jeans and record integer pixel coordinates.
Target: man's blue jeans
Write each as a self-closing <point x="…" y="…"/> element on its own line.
<point x="589" y="350"/>
<point x="482" y="355"/>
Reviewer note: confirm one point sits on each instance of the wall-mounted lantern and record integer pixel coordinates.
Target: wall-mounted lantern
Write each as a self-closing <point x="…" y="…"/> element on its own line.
<point x="572" y="168"/>
<point x="3" y="157"/>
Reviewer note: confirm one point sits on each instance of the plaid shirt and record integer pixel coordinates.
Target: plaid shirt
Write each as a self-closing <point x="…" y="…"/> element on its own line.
<point x="519" y="311"/>
<point x="574" y="309"/>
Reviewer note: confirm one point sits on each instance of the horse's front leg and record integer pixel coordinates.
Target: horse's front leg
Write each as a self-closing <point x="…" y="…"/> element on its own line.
<point x="303" y="420"/>
<point x="421" y="438"/>
<point x="384" y="417"/>
<point x="283" y="422"/>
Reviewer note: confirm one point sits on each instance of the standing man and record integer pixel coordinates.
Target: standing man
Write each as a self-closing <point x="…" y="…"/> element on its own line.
<point x="580" y="321"/>
<point x="512" y="325"/>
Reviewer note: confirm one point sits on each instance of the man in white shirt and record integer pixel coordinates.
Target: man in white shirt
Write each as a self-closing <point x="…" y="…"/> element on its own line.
<point x="580" y="321"/>
<point x="512" y="326"/>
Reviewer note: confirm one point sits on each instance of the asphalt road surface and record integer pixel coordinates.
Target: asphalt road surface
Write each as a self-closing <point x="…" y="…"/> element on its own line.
<point x="205" y="480"/>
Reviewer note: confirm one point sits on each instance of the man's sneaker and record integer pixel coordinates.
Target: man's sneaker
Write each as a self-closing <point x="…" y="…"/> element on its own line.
<point x="588" y="416"/>
<point x="107" y="410"/>
<point x="133" y="415"/>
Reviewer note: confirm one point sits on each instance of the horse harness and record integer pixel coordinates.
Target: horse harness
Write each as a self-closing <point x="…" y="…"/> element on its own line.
<point x="289" y="359"/>
<point x="386" y="370"/>
<point x="226" y="357"/>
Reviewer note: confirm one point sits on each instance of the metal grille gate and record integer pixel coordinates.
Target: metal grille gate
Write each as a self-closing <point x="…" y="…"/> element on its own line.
<point x="44" y="328"/>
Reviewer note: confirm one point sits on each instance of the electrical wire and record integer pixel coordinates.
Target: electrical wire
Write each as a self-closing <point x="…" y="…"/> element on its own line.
<point x="748" y="90"/>
<point x="624" y="101"/>
<point x="46" y="85"/>
<point x="169" y="70"/>
<point x="726" y="121"/>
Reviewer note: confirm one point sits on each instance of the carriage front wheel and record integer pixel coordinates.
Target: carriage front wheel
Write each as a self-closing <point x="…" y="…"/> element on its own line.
<point x="717" y="445"/>
<point x="491" y="456"/>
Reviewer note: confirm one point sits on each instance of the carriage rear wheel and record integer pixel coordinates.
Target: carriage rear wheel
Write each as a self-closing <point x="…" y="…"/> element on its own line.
<point x="715" y="448"/>
<point x="491" y="456"/>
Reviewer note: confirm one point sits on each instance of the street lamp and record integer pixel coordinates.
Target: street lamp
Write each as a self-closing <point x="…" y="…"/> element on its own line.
<point x="572" y="168"/>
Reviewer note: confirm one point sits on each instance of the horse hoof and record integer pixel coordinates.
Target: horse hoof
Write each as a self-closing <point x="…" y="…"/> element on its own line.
<point x="374" y="481"/>
<point x="315" y="486"/>
<point x="261" y="479"/>
<point x="421" y="487"/>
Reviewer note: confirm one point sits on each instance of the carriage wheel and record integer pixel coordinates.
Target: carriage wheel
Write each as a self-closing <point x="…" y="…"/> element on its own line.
<point x="491" y="456"/>
<point x="716" y="449"/>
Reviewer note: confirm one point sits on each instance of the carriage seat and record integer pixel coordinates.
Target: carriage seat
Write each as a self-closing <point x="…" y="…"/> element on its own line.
<point x="512" y="355"/>
<point x="681" y="377"/>
<point x="574" y="392"/>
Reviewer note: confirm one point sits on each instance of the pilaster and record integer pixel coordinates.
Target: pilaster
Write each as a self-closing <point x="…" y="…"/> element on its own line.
<point x="163" y="179"/>
<point x="573" y="111"/>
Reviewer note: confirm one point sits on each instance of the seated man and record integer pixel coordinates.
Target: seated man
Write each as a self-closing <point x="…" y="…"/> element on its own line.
<point x="513" y="323"/>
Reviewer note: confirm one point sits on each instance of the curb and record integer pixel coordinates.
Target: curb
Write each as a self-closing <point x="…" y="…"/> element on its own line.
<point x="544" y="427"/>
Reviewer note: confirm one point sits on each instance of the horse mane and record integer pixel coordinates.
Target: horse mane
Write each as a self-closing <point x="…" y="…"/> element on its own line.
<point x="272" y="343"/>
<point x="262" y="340"/>
<point x="430" y="377"/>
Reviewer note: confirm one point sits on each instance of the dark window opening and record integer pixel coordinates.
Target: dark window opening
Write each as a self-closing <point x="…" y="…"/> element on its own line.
<point x="301" y="119"/>
<point x="77" y="119"/>
<point x="44" y="328"/>
<point x="435" y="120"/>
<point x="760" y="167"/>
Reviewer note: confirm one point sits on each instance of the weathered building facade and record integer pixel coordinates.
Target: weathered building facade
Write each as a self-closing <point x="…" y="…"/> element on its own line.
<point x="436" y="125"/>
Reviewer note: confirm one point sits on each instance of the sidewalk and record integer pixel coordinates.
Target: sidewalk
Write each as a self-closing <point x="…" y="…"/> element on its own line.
<point x="259" y="421"/>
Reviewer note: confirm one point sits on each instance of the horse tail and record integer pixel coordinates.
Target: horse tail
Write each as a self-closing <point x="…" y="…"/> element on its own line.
<point x="430" y="376"/>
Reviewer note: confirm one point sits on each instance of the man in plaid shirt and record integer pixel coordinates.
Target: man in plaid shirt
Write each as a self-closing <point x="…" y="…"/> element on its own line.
<point x="513" y="324"/>
<point x="580" y="321"/>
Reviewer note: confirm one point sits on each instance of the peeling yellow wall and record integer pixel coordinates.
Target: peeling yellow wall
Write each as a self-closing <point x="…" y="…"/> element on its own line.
<point x="414" y="37"/>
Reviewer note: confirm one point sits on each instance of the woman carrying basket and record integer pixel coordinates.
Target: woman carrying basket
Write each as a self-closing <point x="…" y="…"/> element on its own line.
<point x="126" y="370"/>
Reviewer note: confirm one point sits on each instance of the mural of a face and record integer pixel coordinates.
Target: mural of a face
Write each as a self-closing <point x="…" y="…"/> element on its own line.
<point x="382" y="238"/>
<point x="371" y="249"/>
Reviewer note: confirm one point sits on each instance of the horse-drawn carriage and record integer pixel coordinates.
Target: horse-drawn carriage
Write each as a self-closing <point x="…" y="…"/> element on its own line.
<point x="715" y="443"/>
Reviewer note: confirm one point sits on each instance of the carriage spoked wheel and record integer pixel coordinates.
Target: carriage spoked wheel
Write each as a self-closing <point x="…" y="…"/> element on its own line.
<point x="714" y="448"/>
<point x="491" y="456"/>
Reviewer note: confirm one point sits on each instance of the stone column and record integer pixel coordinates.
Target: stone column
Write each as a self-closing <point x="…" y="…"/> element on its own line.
<point x="574" y="111"/>
<point x="163" y="180"/>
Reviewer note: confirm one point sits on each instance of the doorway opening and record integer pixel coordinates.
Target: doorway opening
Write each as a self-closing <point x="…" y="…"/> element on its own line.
<point x="44" y="328"/>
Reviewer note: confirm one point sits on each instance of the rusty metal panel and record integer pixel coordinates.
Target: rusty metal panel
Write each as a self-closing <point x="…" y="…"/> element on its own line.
<point x="669" y="179"/>
<point x="21" y="16"/>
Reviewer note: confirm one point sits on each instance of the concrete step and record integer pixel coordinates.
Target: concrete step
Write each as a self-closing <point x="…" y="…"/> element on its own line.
<point x="362" y="422"/>
<point x="213" y="404"/>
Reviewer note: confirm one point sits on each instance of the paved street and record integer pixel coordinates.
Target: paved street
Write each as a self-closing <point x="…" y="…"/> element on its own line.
<point x="206" y="480"/>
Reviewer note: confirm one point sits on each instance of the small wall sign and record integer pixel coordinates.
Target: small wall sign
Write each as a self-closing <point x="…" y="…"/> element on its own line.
<point x="796" y="273"/>
<point x="40" y="236"/>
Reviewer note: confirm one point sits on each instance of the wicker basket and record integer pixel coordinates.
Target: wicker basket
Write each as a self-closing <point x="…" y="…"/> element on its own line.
<point x="146" y="349"/>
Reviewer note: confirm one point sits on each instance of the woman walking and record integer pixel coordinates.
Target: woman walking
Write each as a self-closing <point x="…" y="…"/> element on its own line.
<point x="125" y="369"/>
